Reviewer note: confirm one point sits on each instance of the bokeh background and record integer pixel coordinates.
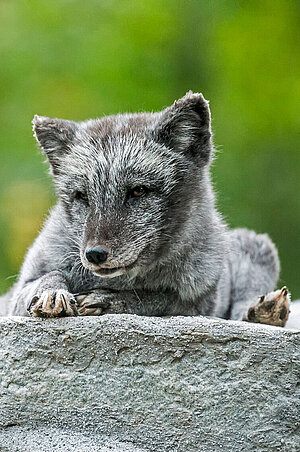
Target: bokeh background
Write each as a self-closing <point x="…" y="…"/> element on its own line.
<point x="79" y="59"/>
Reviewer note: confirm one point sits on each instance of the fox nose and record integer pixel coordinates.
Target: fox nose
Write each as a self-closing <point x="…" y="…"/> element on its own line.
<point x="96" y="255"/>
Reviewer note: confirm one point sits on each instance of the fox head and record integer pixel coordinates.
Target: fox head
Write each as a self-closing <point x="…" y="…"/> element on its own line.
<point x="128" y="183"/>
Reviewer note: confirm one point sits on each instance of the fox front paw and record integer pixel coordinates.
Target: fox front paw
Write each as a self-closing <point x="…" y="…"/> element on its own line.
<point x="272" y="309"/>
<point x="53" y="303"/>
<point x="99" y="303"/>
<point x="92" y="304"/>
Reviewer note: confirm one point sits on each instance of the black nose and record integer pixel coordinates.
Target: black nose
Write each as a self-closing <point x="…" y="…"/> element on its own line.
<point x="96" y="255"/>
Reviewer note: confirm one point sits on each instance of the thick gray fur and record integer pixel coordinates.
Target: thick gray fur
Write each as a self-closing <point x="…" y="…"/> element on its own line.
<point x="184" y="260"/>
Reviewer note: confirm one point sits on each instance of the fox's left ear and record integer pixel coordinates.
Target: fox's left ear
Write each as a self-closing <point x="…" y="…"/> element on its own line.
<point x="55" y="137"/>
<point x="186" y="127"/>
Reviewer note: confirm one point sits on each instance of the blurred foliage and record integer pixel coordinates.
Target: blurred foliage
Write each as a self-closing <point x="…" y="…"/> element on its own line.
<point x="79" y="59"/>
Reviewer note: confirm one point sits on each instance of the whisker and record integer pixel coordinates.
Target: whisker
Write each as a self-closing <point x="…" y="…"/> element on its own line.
<point x="11" y="276"/>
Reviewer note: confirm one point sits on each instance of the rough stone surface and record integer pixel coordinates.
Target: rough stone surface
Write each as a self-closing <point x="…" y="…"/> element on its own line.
<point x="128" y="383"/>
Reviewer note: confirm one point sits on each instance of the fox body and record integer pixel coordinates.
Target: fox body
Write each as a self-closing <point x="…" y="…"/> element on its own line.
<point x="135" y="228"/>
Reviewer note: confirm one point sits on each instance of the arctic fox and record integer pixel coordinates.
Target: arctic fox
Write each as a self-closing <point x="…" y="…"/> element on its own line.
<point x="136" y="230"/>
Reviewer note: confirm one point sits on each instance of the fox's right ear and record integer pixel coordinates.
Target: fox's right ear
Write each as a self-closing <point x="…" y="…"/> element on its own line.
<point x="55" y="137"/>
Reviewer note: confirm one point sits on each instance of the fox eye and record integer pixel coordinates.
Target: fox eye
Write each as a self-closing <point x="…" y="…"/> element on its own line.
<point x="80" y="196"/>
<point x="137" y="192"/>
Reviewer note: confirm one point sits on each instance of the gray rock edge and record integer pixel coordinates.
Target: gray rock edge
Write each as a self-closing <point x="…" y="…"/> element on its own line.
<point x="129" y="383"/>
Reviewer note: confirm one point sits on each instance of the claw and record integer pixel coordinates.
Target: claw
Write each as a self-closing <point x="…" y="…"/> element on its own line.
<point x="284" y="291"/>
<point x="32" y="302"/>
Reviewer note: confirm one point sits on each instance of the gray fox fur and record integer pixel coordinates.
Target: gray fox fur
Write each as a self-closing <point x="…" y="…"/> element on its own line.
<point x="139" y="187"/>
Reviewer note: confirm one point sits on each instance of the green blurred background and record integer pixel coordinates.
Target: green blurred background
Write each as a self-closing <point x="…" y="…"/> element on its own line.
<point x="79" y="59"/>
